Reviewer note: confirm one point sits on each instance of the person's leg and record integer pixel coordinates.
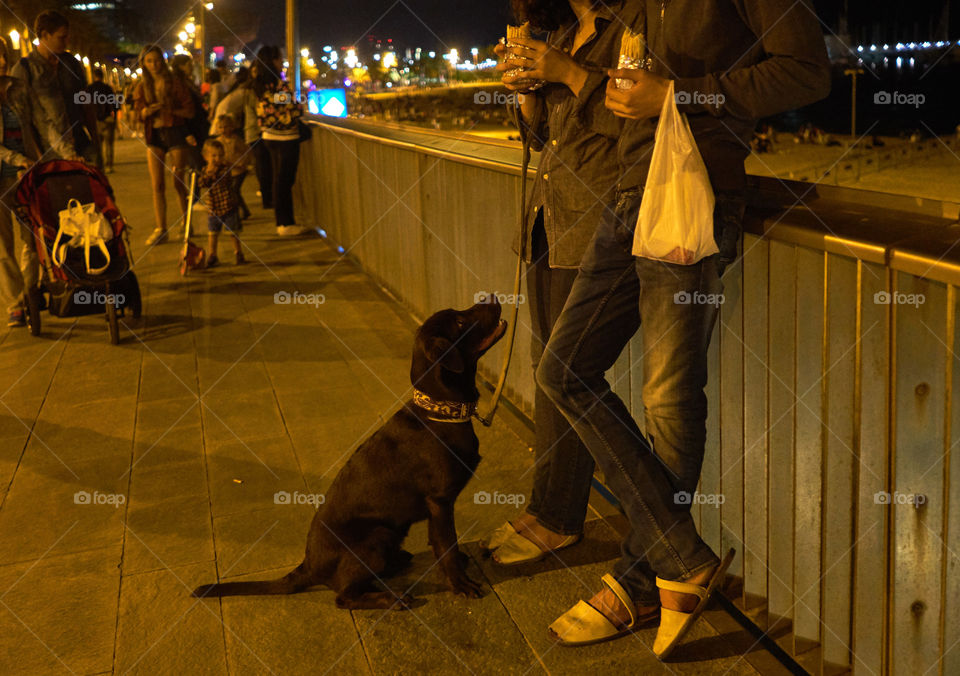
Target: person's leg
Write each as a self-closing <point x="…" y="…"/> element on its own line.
<point x="11" y="280"/>
<point x="600" y="317"/>
<point x="237" y="185"/>
<point x="273" y="148"/>
<point x="288" y="153"/>
<point x="180" y="165"/>
<point x="263" y="166"/>
<point x="563" y="468"/>
<point x="109" y="135"/>
<point x="156" y="167"/>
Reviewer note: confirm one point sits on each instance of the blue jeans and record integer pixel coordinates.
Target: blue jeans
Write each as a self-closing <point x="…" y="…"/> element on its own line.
<point x="614" y="295"/>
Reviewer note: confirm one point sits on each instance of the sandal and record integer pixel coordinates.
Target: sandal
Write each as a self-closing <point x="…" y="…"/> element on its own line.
<point x="158" y="236"/>
<point x="516" y="549"/>
<point x="674" y="624"/>
<point x="498" y="537"/>
<point x="585" y="625"/>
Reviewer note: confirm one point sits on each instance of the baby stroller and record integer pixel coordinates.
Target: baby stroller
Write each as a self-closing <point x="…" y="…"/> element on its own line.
<point x="76" y="280"/>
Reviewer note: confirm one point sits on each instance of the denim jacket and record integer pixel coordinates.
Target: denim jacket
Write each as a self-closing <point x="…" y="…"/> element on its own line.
<point x="35" y="125"/>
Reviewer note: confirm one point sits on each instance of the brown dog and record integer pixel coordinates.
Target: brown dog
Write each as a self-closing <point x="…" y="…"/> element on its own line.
<point x="411" y="469"/>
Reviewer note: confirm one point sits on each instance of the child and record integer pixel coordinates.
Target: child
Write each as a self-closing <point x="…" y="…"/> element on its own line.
<point x="220" y="200"/>
<point x="237" y="156"/>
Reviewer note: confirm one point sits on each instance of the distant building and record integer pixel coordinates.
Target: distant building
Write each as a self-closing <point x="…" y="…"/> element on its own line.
<point x="105" y="15"/>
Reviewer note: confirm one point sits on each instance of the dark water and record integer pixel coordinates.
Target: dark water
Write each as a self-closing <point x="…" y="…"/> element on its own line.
<point x="938" y="82"/>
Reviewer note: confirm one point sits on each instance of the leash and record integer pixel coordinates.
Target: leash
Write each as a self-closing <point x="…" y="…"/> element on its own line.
<point x="487" y="419"/>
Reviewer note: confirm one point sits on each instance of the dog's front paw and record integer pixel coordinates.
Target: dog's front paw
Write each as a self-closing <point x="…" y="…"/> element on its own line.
<point x="462" y="585"/>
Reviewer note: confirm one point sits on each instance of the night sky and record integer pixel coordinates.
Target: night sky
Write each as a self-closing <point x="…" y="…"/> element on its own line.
<point x="462" y="24"/>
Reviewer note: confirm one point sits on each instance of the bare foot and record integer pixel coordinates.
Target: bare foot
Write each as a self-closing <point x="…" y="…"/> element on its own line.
<point x="687" y="603"/>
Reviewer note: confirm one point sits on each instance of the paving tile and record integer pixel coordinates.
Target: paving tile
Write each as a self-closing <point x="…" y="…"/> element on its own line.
<point x="59" y="613"/>
<point x="169" y="532"/>
<point x="245" y="476"/>
<point x="247" y="415"/>
<point x="164" y="630"/>
<point x="275" y="537"/>
<point x="299" y="634"/>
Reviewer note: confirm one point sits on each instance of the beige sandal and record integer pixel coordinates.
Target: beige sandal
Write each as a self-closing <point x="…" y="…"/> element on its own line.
<point x="498" y="537"/>
<point x="585" y="625"/>
<point x="517" y="549"/>
<point x="674" y="624"/>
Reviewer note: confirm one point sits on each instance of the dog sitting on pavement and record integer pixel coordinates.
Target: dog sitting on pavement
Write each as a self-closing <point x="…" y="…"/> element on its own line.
<point x="411" y="469"/>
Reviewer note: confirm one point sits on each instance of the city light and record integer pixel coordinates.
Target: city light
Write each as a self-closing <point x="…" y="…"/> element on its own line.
<point x="183" y="36"/>
<point x="209" y="6"/>
<point x="15" y="39"/>
<point x="351" y="59"/>
<point x="191" y="27"/>
<point x="304" y="52"/>
<point x="389" y="60"/>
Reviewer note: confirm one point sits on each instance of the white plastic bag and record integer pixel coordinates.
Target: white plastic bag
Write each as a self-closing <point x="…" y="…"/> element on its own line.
<point x="86" y="227"/>
<point x="676" y="215"/>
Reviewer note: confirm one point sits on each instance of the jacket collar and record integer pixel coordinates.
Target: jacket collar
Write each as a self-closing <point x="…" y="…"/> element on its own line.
<point x="445" y="411"/>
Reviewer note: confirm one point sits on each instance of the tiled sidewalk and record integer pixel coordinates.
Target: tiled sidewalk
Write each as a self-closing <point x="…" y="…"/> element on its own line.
<point x="129" y="474"/>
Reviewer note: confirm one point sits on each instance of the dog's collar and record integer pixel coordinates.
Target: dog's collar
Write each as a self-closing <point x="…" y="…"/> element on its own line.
<point x="445" y="411"/>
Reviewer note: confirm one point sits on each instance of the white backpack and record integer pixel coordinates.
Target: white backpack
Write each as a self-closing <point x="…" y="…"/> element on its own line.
<point x="85" y="227"/>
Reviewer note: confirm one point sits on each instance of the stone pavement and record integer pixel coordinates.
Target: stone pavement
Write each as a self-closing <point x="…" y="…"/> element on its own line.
<point x="130" y="474"/>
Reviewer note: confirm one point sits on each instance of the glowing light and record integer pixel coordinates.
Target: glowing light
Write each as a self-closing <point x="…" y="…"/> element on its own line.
<point x="474" y="51"/>
<point x="389" y="60"/>
<point x="209" y="6"/>
<point x="36" y="42"/>
<point x="86" y="61"/>
<point x="15" y="39"/>
<point x="304" y="52"/>
<point x="311" y="63"/>
<point x="351" y="59"/>
<point x="327" y="49"/>
<point x="191" y="27"/>
<point x="183" y="36"/>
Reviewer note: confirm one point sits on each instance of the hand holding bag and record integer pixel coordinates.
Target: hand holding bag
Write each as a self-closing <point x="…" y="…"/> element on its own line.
<point x="676" y="214"/>
<point x="86" y="227"/>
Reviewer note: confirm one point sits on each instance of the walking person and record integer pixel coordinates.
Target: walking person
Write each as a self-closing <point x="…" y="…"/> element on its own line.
<point x="164" y="105"/>
<point x="58" y="81"/>
<point x="264" y="73"/>
<point x="220" y="198"/>
<point x="22" y="125"/>
<point x="105" y="104"/>
<point x="734" y="61"/>
<point x="576" y="177"/>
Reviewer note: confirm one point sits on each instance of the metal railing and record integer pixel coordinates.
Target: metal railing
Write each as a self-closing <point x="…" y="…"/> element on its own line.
<point x="832" y="420"/>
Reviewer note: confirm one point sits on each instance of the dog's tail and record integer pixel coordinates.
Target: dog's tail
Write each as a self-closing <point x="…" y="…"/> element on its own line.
<point x="296" y="580"/>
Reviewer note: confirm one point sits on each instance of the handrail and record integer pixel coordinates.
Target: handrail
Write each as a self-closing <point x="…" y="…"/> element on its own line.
<point x="876" y="227"/>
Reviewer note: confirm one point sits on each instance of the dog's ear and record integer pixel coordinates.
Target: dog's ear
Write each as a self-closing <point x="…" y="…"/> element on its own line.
<point x="441" y="351"/>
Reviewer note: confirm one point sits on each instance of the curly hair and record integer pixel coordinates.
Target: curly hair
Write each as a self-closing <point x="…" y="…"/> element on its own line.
<point x="543" y="15"/>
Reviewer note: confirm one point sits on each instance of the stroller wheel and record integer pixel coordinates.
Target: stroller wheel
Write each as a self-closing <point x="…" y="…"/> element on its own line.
<point x="33" y="299"/>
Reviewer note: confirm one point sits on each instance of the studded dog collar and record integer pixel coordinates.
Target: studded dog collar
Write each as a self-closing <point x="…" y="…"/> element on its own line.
<point x="445" y="411"/>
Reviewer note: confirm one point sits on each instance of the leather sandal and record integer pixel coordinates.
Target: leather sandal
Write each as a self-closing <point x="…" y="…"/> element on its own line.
<point x="585" y="625"/>
<point x="516" y="549"/>
<point x="674" y="624"/>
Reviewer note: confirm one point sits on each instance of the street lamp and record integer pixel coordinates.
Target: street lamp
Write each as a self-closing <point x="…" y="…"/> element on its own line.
<point x="853" y="73"/>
